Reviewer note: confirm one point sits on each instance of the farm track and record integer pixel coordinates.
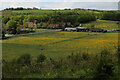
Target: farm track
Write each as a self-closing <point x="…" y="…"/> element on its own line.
<point x="18" y="35"/>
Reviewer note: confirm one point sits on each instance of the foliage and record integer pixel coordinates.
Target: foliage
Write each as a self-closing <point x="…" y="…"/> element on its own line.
<point x="75" y="16"/>
<point x="3" y="34"/>
<point x="73" y="66"/>
<point x="105" y="67"/>
<point x="24" y="59"/>
<point x="41" y="58"/>
<point x="18" y="30"/>
<point x="12" y="24"/>
<point x="5" y="20"/>
<point x="92" y="26"/>
<point x="114" y="16"/>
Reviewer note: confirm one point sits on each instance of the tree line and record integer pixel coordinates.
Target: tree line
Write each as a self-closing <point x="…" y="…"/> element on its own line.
<point x="75" y="17"/>
<point x="111" y="15"/>
<point x="53" y="18"/>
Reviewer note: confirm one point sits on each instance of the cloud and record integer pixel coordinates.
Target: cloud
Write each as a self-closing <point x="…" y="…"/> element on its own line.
<point x="92" y="0"/>
<point x="61" y="5"/>
<point x="59" y="0"/>
<point x="97" y="5"/>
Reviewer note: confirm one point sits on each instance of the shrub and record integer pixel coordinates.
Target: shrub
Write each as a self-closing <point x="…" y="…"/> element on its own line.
<point x="85" y="56"/>
<point x="18" y="30"/>
<point x="44" y="26"/>
<point x="3" y="34"/>
<point x="12" y="25"/>
<point x="105" y="67"/>
<point x="5" y="20"/>
<point x="24" y="59"/>
<point x="41" y="58"/>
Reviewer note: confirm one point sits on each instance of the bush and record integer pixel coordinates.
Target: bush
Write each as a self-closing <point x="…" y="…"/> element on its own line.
<point x="41" y="58"/>
<point x="105" y="67"/>
<point x="85" y="56"/>
<point x="12" y="25"/>
<point x="3" y="34"/>
<point x="18" y="30"/>
<point x="44" y="26"/>
<point x="24" y="59"/>
<point x="5" y="20"/>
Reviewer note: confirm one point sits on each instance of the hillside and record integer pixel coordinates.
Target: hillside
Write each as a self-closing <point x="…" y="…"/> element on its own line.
<point x="103" y="24"/>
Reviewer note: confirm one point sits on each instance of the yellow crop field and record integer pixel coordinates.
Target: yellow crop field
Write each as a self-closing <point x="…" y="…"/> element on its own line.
<point x="59" y="44"/>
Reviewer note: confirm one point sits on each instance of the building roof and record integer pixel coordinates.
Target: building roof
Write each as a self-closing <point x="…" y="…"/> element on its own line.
<point x="81" y="27"/>
<point x="71" y="28"/>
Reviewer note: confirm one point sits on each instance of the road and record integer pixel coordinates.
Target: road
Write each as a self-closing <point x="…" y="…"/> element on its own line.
<point x="11" y="35"/>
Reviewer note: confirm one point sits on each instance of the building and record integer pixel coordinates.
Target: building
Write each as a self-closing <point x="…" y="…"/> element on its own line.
<point x="53" y="25"/>
<point x="70" y="29"/>
<point x="32" y="24"/>
<point x="82" y="29"/>
<point x="98" y="30"/>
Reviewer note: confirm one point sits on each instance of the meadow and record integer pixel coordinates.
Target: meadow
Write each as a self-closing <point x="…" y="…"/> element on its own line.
<point x="61" y="54"/>
<point x="58" y="44"/>
<point x="51" y="11"/>
<point x="103" y="24"/>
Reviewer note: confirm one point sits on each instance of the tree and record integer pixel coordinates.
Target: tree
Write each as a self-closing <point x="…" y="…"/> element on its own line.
<point x="12" y="25"/>
<point x="18" y="30"/>
<point x="44" y="26"/>
<point x="25" y="20"/>
<point x="40" y="25"/>
<point x="5" y="20"/>
<point x="35" y="8"/>
<point x="3" y="34"/>
<point x="105" y="66"/>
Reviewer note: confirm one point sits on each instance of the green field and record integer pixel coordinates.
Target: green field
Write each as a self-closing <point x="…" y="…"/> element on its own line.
<point x="51" y="53"/>
<point x="40" y="11"/>
<point x="58" y="44"/>
<point x="103" y="24"/>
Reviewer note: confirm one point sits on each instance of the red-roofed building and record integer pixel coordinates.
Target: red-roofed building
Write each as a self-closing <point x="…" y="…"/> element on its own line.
<point x="54" y="25"/>
<point x="32" y="24"/>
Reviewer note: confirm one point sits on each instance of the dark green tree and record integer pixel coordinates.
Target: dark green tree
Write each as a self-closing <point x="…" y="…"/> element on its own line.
<point x="12" y="25"/>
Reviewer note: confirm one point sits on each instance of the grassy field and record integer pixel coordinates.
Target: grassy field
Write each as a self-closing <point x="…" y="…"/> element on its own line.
<point x="40" y="11"/>
<point x="60" y="54"/>
<point x="104" y="24"/>
<point x="58" y="44"/>
<point x="37" y="12"/>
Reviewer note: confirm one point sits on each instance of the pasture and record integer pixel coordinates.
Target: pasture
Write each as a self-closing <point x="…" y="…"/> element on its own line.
<point x="37" y="12"/>
<point x="103" y="24"/>
<point x="58" y="44"/>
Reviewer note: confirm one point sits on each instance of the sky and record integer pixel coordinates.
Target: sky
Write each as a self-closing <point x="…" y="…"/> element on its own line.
<point x="61" y="4"/>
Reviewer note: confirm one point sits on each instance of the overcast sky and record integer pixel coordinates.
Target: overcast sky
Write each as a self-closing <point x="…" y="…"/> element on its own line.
<point x="62" y="4"/>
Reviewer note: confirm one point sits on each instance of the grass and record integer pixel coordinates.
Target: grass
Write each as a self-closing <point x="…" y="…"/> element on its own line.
<point x="58" y="44"/>
<point x="37" y="12"/>
<point x="78" y="65"/>
<point x="104" y="24"/>
<point x="40" y="30"/>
